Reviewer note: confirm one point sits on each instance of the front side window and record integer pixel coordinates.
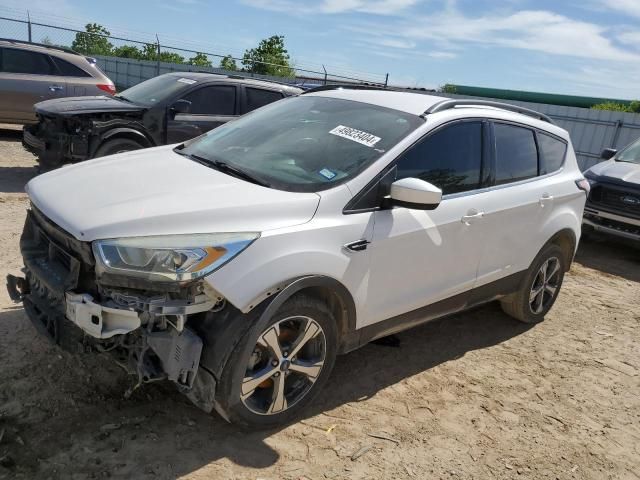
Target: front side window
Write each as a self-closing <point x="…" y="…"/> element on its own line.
<point x="516" y="154"/>
<point x="552" y="153"/>
<point x="23" y="61"/>
<point x="257" y="97"/>
<point x="630" y="154"/>
<point x="450" y="159"/>
<point x="213" y="100"/>
<point x="305" y="143"/>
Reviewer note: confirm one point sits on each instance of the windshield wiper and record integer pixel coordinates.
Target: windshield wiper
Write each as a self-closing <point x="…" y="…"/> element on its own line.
<point x="120" y="97"/>
<point x="224" y="167"/>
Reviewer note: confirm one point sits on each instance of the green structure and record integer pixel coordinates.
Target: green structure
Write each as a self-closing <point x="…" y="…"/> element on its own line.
<point x="536" y="97"/>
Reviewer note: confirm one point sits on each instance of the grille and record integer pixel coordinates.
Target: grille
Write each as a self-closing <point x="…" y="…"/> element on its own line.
<point x="616" y="199"/>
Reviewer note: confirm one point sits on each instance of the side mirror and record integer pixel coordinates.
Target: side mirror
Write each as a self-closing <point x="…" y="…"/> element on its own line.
<point x="415" y="194"/>
<point x="181" y="106"/>
<point x="608" y="153"/>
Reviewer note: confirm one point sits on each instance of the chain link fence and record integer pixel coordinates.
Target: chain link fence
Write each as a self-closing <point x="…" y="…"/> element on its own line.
<point x="127" y="70"/>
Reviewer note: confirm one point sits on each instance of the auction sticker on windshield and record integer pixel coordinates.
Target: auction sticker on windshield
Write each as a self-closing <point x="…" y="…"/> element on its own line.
<point x="364" y="138"/>
<point x="188" y="81"/>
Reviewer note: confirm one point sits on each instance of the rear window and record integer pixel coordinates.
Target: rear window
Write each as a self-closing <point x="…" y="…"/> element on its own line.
<point x="516" y="153"/>
<point x="26" y="62"/>
<point x="67" y="69"/>
<point x="257" y="97"/>
<point x="552" y="153"/>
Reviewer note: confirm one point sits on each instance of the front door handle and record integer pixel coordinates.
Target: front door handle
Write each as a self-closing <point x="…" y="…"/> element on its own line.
<point x="472" y="216"/>
<point x="55" y="88"/>
<point x="545" y="199"/>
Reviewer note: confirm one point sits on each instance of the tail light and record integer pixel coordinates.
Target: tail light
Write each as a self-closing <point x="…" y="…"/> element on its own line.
<point x="107" y="87"/>
<point x="584" y="185"/>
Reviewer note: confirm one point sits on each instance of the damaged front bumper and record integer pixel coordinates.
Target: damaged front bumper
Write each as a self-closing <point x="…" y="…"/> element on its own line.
<point x="146" y="332"/>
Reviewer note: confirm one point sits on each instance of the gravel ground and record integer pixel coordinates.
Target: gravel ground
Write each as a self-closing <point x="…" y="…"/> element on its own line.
<point x="474" y="396"/>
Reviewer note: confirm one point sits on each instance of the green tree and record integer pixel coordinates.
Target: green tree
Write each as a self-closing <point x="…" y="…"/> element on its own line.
<point x="270" y="57"/>
<point x="171" y="57"/>
<point x="228" y="63"/>
<point x="201" y="60"/>
<point x="448" y="88"/>
<point x="93" y="41"/>
<point x="127" y="51"/>
<point x="633" y="107"/>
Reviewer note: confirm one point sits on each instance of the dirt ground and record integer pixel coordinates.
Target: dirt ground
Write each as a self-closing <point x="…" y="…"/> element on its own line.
<point x="473" y="396"/>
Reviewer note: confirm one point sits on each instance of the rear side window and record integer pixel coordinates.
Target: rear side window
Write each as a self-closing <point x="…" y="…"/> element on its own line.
<point x="23" y="61"/>
<point x="213" y="100"/>
<point x="450" y="159"/>
<point x="256" y="97"/>
<point x="516" y="153"/>
<point x="552" y="153"/>
<point x="67" y="69"/>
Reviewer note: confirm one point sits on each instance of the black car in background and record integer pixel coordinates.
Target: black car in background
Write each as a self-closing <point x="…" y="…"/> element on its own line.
<point x="167" y="109"/>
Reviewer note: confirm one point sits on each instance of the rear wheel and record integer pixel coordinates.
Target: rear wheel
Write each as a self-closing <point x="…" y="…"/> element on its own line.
<point x="540" y="288"/>
<point x="117" y="145"/>
<point x="279" y="366"/>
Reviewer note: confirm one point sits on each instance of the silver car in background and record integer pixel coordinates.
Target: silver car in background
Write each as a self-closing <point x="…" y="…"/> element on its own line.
<point x="31" y="73"/>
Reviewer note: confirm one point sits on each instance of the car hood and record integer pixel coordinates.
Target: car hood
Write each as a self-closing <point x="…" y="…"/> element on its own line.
<point x="620" y="171"/>
<point x="78" y="105"/>
<point x="158" y="192"/>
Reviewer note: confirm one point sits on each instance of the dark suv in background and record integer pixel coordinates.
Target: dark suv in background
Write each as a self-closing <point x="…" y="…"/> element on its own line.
<point x="166" y="109"/>
<point x="31" y="73"/>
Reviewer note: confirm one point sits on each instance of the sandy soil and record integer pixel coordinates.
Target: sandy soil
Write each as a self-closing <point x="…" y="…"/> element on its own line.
<point x="473" y="396"/>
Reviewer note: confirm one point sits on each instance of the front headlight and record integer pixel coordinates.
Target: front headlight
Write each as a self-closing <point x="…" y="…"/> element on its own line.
<point x="169" y="258"/>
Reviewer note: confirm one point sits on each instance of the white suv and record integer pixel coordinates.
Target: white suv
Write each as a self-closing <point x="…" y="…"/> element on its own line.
<point x="239" y="264"/>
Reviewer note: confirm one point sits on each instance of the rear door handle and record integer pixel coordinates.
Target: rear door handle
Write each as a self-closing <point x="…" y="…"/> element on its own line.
<point x="55" y="88"/>
<point x="472" y="216"/>
<point x="545" y="199"/>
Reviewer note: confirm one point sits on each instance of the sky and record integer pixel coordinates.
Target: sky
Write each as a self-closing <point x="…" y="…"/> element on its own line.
<point x="579" y="47"/>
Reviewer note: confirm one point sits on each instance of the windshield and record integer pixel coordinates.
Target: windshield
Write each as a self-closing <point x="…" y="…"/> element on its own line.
<point x="155" y="90"/>
<point x="630" y="154"/>
<point x="306" y="143"/>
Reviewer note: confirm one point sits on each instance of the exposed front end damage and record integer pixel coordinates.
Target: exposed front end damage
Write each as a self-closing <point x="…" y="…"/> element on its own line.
<point x="58" y="139"/>
<point x="147" y="329"/>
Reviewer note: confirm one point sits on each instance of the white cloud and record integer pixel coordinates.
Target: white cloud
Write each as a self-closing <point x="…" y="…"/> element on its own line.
<point x="630" y="7"/>
<point x="630" y="38"/>
<point x="536" y="30"/>
<point x="442" y="55"/>
<point x="378" y="7"/>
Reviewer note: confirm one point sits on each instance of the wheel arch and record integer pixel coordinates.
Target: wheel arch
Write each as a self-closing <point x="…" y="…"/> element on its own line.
<point x="567" y="240"/>
<point x="327" y="289"/>
<point x="124" y="132"/>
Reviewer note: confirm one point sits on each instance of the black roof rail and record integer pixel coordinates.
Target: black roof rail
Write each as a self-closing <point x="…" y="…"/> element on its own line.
<point x="452" y="103"/>
<point x="25" y="42"/>
<point x="345" y="86"/>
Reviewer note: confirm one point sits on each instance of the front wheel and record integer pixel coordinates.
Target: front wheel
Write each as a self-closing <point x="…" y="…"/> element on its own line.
<point x="117" y="145"/>
<point x="540" y="288"/>
<point x="279" y="365"/>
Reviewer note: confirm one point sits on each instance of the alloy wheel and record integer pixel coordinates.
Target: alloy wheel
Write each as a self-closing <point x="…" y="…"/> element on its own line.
<point x="285" y="363"/>
<point x="545" y="285"/>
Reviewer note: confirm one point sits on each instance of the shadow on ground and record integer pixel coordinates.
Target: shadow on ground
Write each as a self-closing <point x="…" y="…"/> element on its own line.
<point x="11" y="134"/>
<point x="157" y="414"/>
<point x="13" y="179"/>
<point x="610" y="255"/>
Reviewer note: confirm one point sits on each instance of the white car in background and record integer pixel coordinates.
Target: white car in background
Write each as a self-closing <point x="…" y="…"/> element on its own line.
<point x="239" y="264"/>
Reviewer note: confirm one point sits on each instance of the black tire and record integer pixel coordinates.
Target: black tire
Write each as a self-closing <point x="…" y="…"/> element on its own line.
<point x="117" y="145"/>
<point x="519" y="305"/>
<point x="228" y="391"/>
